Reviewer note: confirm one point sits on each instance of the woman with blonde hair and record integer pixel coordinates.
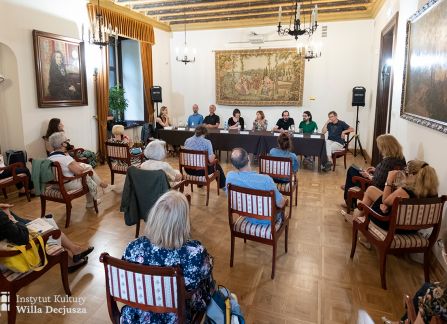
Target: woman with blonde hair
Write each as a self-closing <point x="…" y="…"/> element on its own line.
<point x="393" y="159"/>
<point x="118" y="135"/>
<point x="167" y="243"/>
<point x="260" y="123"/>
<point x="163" y="120"/>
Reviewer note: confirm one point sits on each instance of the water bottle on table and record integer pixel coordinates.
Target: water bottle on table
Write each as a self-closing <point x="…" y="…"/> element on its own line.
<point x="225" y="125"/>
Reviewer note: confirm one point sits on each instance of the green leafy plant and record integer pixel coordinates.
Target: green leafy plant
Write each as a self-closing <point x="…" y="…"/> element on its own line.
<point x="117" y="102"/>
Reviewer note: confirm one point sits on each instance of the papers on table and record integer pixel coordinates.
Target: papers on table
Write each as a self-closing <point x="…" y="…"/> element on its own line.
<point x="181" y="128"/>
<point x="168" y="128"/>
<point x="223" y="131"/>
<point x="244" y="132"/>
<point x="315" y="136"/>
<point x="298" y="135"/>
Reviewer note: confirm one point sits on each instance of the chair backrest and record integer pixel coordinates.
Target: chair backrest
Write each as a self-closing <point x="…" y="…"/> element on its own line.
<point x="259" y="204"/>
<point x="117" y="151"/>
<point x="195" y="160"/>
<point x="149" y="288"/>
<point x="276" y="167"/>
<point x="418" y="213"/>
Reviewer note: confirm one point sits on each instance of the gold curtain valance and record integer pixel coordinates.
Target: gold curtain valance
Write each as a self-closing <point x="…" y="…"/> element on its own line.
<point x="127" y="26"/>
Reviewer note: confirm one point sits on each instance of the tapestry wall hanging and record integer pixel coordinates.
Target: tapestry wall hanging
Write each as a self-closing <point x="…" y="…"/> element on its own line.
<point x="424" y="95"/>
<point x="60" y="70"/>
<point x="264" y="77"/>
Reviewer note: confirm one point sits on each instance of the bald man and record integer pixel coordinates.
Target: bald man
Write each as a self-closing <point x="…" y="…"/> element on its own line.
<point x="195" y="119"/>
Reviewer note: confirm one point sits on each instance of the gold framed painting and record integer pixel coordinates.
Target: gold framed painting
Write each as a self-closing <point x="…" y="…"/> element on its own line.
<point x="424" y="95"/>
<point x="60" y="70"/>
<point x="261" y="77"/>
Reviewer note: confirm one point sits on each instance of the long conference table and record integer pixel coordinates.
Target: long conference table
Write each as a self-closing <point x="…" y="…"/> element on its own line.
<point x="256" y="142"/>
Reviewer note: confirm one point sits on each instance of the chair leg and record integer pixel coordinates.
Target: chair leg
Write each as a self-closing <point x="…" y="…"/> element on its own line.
<point x="112" y="176"/>
<point x="355" y="232"/>
<point x="344" y="157"/>
<point x="64" y="273"/>
<point x="12" y="313"/>
<point x="218" y="183"/>
<point x="26" y="187"/>
<point x="137" y="232"/>
<point x="296" y="195"/>
<point x="286" y="238"/>
<point x="334" y="162"/>
<point x="245" y="240"/>
<point x="95" y="205"/>
<point x="290" y="207"/>
<point x="232" y="250"/>
<point x="4" y="193"/>
<point x="43" y="205"/>
<point x="207" y="192"/>
<point x="382" y="260"/>
<point x="68" y="212"/>
<point x="273" y="261"/>
<point x="192" y="187"/>
<point x="426" y="266"/>
<point x="348" y="203"/>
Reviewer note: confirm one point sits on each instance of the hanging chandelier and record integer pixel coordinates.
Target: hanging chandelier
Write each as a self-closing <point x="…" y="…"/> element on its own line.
<point x="98" y="33"/>
<point x="298" y="27"/>
<point x="184" y="58"/>
<point x="310" y="50"/>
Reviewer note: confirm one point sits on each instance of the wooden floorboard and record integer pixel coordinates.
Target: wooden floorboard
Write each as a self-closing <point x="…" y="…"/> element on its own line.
<point x="316" y="281"/>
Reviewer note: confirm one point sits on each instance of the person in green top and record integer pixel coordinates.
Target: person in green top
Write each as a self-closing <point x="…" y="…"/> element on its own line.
<point x="308" y="125"/>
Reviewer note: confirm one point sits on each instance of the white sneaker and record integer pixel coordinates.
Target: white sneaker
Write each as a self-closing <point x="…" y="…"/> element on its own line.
<point x="348" y="217"/>
<point x="108" y="188"/>
<point x="91" y="204"/>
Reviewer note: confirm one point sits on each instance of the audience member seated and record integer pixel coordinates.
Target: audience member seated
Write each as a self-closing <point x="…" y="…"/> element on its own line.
<point x="393" y="159"/>
<point x="236" y="122"/>
<point x="337" y="130"/>
<point x="198" y="142"/>
<point x="246" y="178"/>
<point x="163" y="120"/>
<point x="13" y="229"/>
<point x="420" y="181"/>
<point x="195" y="119"/>
<point x="6" y="173"/>
<point x="212" y="120"/>
<point x="284" y="150"/>
<point x="308" y="126"/>
<point x="70" y="167"/>
<point x="260" y="123"/>
<point x="167" y="243"/>
<point x="285" y="123"/>
<point x="155" y="152"/>
<point x="118" y="135"/>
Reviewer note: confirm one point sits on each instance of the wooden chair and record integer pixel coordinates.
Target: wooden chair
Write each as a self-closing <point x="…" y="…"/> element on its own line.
<point x="149" y="288"/>
<point x="198" y="161"/>
<point x="12" y="287"/>
<point x="15" y="178"/>
<point x="55" y="191"/>
<point x="341" y="153"/>
<point x="257" y="204"/>
<point x="412" y="313"/>
<point x="120" y="159"/>
<point x="406" y="214"/>
<point x="281" y="168"/>
<point x="357" y="192"/>
<point x="74" y="153"/>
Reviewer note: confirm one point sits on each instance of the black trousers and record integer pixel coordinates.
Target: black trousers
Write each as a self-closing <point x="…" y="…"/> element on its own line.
<point x="7" y="173"/>
<point x="201" y="173"/>
<point x="352" y="172"/>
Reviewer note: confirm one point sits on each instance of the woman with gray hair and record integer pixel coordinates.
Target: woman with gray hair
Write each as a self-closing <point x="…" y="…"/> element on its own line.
<point x="167" y="243"/>
<point x="155" y="152"/>
<point x="70" y="167"/>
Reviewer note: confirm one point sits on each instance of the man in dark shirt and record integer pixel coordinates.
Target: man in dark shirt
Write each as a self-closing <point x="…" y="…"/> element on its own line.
<point x="212" y="120"/>
<point x="337" y="130"/>
<point x="285" y="123"/>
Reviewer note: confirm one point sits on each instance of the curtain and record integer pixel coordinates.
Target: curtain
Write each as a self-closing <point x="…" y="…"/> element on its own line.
<point x="148" y="79"/>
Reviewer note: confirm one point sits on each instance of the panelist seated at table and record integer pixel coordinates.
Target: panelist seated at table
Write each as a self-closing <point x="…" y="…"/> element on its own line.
<point x="337" y="130"/>
<point x="163" y="119"/>
<point x="308" y="126"/>
<point x="212" y="120"/>
<point x="195" y="119"/>
<point x="236" y="122"/>
<point x="284" y="150"/>
<point x="198" y="142"/>
<point x="260" y="123"/>
<point x="285" y="123"/>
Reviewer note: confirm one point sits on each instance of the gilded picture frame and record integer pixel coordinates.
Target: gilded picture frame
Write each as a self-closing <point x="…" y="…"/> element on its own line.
<point x="260" y="77"/>
<point x="60" y="70"/>
<point x="424" y="95"/>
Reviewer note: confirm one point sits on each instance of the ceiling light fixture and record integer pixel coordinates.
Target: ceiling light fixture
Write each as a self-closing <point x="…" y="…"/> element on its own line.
<point x="184" y="57"/>
<point x="298" y="28"/>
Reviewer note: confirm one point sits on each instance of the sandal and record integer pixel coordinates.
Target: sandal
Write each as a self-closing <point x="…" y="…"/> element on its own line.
<point x="77" y="265"/>
<point x="83" y="254"/>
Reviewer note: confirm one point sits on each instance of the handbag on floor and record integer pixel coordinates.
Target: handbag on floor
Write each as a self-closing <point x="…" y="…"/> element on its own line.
<point x="224" y="308"/>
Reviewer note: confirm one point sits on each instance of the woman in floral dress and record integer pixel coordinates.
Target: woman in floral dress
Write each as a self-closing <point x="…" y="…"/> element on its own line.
<point x="167" y="243"/>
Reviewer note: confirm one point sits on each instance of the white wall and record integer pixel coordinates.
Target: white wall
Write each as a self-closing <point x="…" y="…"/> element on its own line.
<point x="132" y="79"/>
<point x="344" y="64"/>
<point x="18" y="19"/>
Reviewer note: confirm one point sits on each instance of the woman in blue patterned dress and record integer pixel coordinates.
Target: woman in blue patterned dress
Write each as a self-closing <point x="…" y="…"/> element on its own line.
<point x="167" y="243"/>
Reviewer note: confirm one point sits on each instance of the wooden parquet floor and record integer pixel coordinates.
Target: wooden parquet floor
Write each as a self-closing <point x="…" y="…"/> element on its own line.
<point x="316" y="281"/>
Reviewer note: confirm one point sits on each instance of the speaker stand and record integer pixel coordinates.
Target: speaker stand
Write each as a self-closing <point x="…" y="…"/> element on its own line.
<point x="357" y="138"/>
<point x="156" y="115"/>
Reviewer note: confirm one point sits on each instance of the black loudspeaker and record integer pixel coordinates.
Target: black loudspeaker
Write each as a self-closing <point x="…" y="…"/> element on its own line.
<point x="156" y="94"/>
<point x="358" y="96"/>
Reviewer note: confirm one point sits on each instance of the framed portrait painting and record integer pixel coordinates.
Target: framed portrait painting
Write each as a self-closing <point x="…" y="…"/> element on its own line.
<point x="60" y="70"/>
<point x="424" y="95"/>
<point x="260" y="77"/>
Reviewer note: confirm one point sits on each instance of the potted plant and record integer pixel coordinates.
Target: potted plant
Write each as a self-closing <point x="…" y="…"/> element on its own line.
<point x="117" y="102"/>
